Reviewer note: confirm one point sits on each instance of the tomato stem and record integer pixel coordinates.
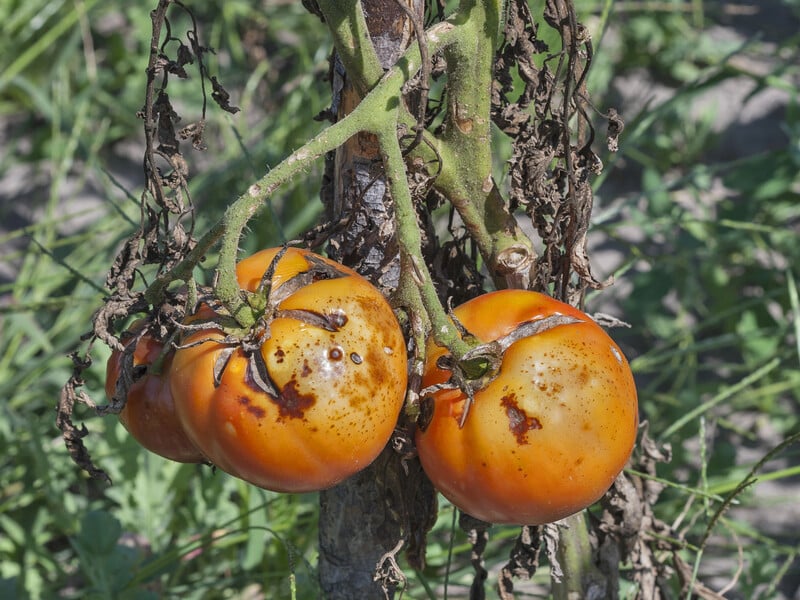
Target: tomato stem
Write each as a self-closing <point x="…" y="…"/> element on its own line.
<point x="581" y="578"/>
<point x="423" y="294"/>
<point x="379" y="107"/>
<point x="247" y="205"/>
<point x="348" y="26"/>
<point x="466" y="146"/>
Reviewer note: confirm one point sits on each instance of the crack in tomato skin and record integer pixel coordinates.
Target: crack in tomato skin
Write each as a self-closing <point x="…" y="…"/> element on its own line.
<point x="519" y="423"/>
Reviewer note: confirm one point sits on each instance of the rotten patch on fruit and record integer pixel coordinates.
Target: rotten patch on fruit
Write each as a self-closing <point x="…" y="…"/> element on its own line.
<point x="519" y="423"/>
<point x="291" y="403"/>
<point x="256" y="411"/>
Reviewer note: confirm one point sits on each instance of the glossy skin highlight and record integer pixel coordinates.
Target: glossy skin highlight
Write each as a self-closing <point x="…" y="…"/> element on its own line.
<point x="549" y="435"/>
<point x="340" y="392"/>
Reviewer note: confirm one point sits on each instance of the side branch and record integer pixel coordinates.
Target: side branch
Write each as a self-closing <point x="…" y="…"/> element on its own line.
<point x="248" y="204"/>
<point x="408" y="236"/>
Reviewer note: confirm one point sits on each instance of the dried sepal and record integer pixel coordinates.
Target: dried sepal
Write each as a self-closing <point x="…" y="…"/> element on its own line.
<point x="265" y="285"/>
<point x="258" y="373"/>
<point x="221" y="362"/>
<point x="481" y="365"/>
<point x="329" y="322"/>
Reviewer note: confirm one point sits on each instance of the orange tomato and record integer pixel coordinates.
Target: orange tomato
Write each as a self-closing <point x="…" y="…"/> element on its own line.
<point x="149" y="412"/>
<point x="548" y="436"/>
<point x="335" y="357"/>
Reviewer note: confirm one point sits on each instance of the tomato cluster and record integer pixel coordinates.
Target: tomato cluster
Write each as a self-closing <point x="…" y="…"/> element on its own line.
<point x="312" y="393"/>
<point x="335" y="359"/>
<point x="311" y="399"/>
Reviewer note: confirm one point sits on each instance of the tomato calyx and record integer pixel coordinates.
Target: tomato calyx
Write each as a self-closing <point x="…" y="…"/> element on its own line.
<point x="268" y="297"/>
<point x="478" y="367"/>
<point x="265" y="303"/>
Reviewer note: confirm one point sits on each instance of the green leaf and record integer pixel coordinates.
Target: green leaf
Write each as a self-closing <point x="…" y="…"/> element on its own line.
<point x="99" y="533"/>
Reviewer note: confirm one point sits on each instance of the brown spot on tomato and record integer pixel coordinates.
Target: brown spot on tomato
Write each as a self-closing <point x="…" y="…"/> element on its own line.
<point x="256" y="411"/>
<point x="279" y="355"/>
<point x="356" y="400"/>
<point x="356" y="358"/>
<point x="336" y="353"/>
<point x="291" y="403"/>
<point x="519" y="423"/>
<point x="306" y="369"/>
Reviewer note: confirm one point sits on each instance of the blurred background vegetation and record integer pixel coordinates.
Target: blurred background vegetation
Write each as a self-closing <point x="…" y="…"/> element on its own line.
<point x="697" y="217"/>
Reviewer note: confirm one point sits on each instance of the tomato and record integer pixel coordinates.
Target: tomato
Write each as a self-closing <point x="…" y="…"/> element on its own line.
<point x="545" y="438"/>
<point x="333" y="354"/>
<point x="149" y="412"/>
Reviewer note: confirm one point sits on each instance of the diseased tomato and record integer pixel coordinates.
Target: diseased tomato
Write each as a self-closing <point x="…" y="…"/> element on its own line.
<point x="314" y="395"/>
<point x="548" y="436"/>
<point x="149" y="412"/>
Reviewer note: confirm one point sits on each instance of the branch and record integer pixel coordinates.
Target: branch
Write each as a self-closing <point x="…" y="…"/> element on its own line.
<point x="351" y="39"/>
<point x="465" y="147"/>
<point x="423" y="293"/>
<point x="247" y="205"/>
<point x="370" y="116"/>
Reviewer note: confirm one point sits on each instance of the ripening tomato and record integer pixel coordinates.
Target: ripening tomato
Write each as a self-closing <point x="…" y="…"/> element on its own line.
<point x="318" y="395"/>
<point x="149" y="412"/>
<point x="548" y="436"/>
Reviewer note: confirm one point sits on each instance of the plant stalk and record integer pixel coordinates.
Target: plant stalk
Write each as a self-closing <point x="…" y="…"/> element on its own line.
<point x="581" y="578"/>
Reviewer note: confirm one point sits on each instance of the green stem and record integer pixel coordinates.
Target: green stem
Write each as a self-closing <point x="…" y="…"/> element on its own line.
<point x="380" y="106"/>
<point x="239" y="213"/>
<point x="351" y="39"/>
<point x="466" y="148"/>
<point x="580" y="575"/>
<point x="408" y="236"/>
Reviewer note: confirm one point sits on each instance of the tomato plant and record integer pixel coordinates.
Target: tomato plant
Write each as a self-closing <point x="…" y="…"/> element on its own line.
<point x="149" y="412"/>
<point x="312" y="395"/>
<point x="549" y="434"/>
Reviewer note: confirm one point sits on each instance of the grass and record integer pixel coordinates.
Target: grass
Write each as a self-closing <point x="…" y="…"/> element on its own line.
<point x="707" y="256"/>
